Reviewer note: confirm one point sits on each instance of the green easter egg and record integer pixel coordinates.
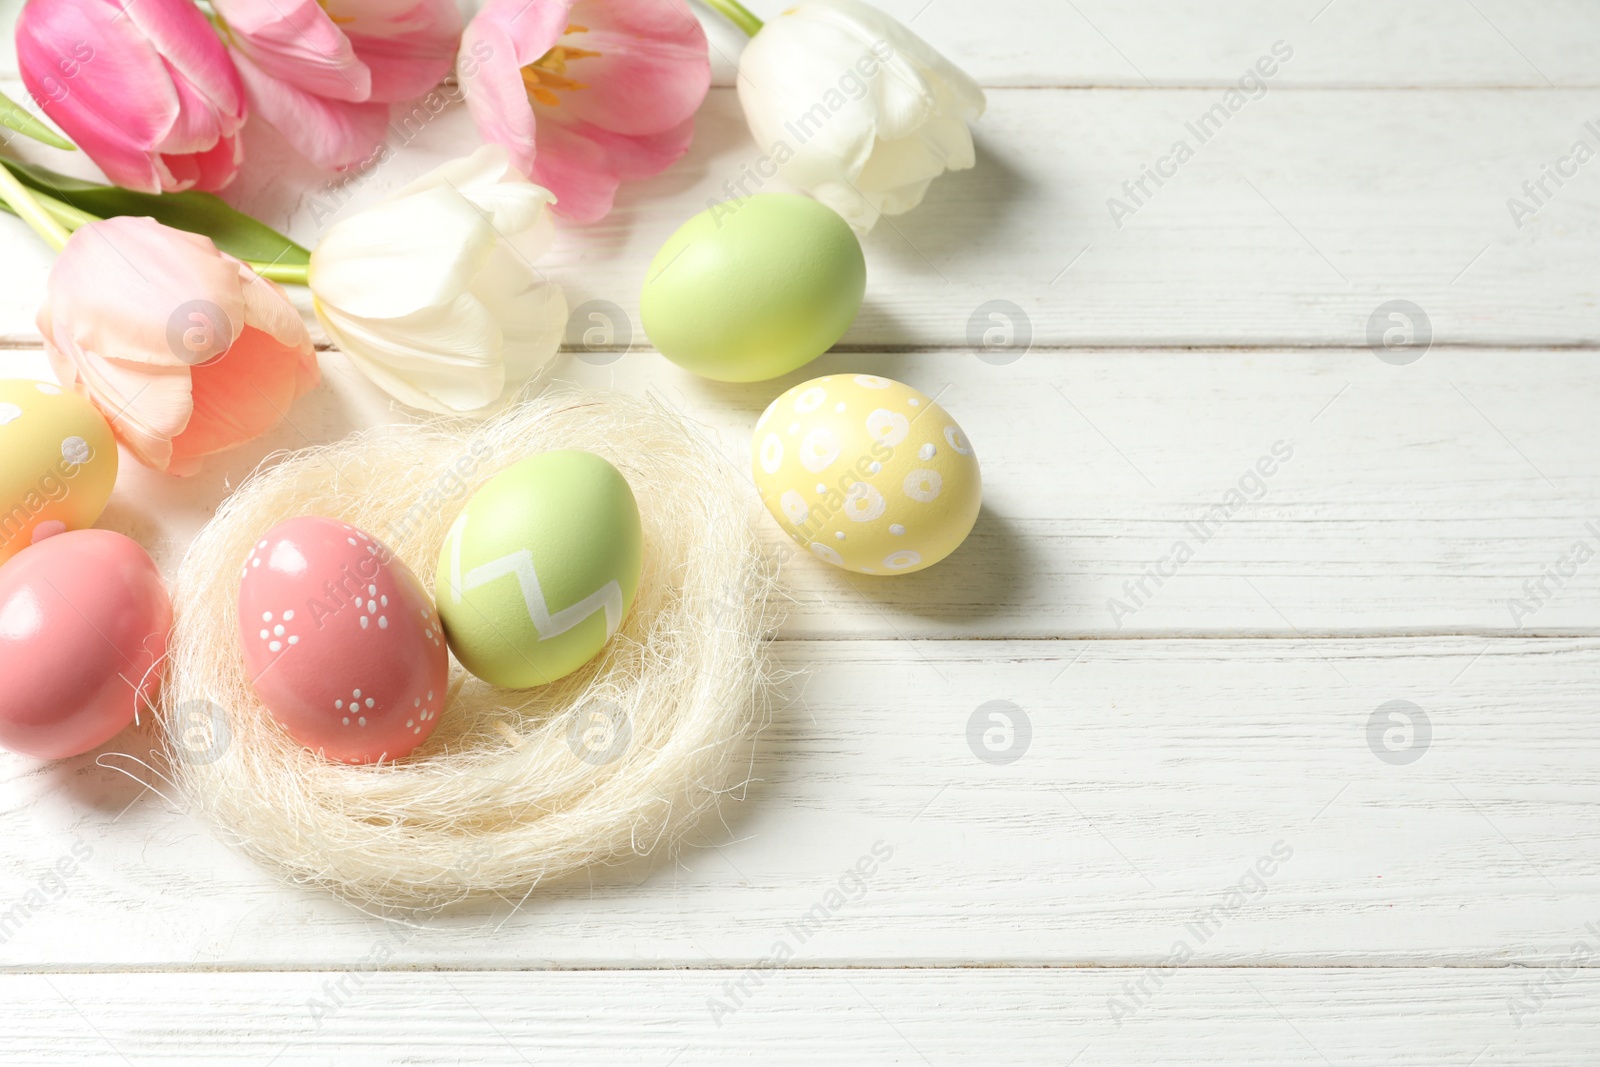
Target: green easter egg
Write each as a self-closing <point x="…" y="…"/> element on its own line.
<point x="540" y="568"/>
<point x="753" y="289"/>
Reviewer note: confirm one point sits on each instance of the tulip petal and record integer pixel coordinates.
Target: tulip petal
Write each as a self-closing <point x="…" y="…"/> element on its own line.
<point x="332" y="133"/>
<point x="488" y="180"/>
<point x="652" y="71"/>
<point x="669" y="22"/>
<point x="532" y="313"/>
<point x="641" y="156"/>
<point x="123" y="163"/>
<point x="297" y="43"/>
<point x="119" y="285"/>
<point x="410" y="49"/>
<point x="785" y="77"/>
<point x="490" y="68"/>
<point x="267" y="309"/>
<point x="146" y="405"/>
<point x="630" y="117"/>
<point x="220" y="165"/>
<point x="189" y="47"/>
<point x="578" y="170"/>
<point x="533" y="336"/>
<point x="196" y="128"/>
<point x="910" y="54"/>
<point x="116" y="131"/>
<point x="423" y="247"/>
<point x="584" y="165"/>
<point x="401" y="255"/>
<point x="442" y="359"/>
<point x="161" y="83"/>
<point x="531" y="28"/>
<point x="906" y="161"/>
<point x="239" y="396"/>
<point x="47" y="34"/>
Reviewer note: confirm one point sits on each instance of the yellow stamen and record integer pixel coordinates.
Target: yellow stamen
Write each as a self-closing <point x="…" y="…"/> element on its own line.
<point x="548" y="74"/>
<point x="534" y="78"/>
<point x="337" y="20"/>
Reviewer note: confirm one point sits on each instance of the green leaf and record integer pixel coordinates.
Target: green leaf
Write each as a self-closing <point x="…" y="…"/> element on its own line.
<point x="234" y="232"/>
<point x="14" y="116"/>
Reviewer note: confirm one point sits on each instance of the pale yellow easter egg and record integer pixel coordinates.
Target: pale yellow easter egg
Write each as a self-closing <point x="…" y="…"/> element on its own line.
<point x="58" y="462"/>
<point x="866" y="473"/>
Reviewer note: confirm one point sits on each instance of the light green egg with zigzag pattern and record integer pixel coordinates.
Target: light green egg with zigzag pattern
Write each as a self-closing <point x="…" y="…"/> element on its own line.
<point x="540" y="568"/>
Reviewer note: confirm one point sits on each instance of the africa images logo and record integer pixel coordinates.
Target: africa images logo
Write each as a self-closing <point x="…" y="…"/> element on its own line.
<point x="1252" y="85"/>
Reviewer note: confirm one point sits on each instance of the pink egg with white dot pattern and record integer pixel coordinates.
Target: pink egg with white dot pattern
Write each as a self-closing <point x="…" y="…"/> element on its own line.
<point x="341" y="643"/>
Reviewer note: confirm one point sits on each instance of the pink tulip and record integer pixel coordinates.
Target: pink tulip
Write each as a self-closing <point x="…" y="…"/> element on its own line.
<point x="585" y="94"/>
<point x="144" y="87"/>
<point x="183" y="348"/>
<point x="325" y="74"/>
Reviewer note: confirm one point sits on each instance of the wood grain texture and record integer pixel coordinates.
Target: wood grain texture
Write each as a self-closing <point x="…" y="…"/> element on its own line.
<point x="1269" y="1018"/>
<point x="1224" y="794"/>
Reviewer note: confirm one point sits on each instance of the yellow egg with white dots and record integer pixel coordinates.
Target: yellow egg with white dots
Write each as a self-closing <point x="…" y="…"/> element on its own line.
<point x="58" y="462"/>
<point x="866" y="473"/>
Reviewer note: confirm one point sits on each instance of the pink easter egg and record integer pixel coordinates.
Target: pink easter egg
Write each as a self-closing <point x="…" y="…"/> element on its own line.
<point x="340" y="641"/>
<point x="83" y="622"/>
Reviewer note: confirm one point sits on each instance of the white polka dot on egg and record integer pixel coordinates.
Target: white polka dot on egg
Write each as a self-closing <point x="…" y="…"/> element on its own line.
<point x="75" y="450"/>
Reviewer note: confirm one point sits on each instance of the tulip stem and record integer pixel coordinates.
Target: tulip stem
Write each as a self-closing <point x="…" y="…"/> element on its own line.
<point x="69" y="217"/>
<point x="737" y="14"/>
<point x="25" y="203"/>
<point x="291" y="273"/>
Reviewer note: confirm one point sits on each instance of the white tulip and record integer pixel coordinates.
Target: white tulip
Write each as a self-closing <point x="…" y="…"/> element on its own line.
<point x="855" y="109"/>
<point x="433" y="292"/>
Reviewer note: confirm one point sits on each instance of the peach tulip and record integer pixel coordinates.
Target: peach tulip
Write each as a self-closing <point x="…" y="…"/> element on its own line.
<point x="184" y="349"/>
<point x="585" y="94"/>
<point x="144" y="88"/>
<point x="325" y="73"/>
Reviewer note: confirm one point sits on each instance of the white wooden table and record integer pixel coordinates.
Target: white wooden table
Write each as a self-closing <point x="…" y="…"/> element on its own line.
<point x="1205" y="853"/>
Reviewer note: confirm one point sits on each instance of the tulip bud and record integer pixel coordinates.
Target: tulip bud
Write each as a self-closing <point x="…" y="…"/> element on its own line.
<point x="145" y="89"/>
<point x="855" y="109"/>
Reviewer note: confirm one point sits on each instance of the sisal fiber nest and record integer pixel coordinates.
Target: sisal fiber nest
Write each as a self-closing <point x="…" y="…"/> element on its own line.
<point x="515" y="788"/>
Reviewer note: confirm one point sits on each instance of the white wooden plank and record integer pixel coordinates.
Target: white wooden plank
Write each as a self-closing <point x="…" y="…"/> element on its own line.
<point x="1444" y="496"/>
<point x="1224" y="794"/>
<point x="1292" y="225"/>
<point x="1241" y="1017"/>
<point x="1212" y="42"/>
<point x="1206" y="42"/>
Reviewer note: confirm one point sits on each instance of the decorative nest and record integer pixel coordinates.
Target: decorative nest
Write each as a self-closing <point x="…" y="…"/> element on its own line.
<point x="516" y="787"/>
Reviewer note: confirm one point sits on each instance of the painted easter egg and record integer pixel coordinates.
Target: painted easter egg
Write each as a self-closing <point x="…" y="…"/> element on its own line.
<point x="752" y="289"/>
<point x="340" y="641"/>
<point x="58" y="462"/>
<point x="540" y="568"/>
<point x="866" y="473"/>
<point x="83" y="622"/>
